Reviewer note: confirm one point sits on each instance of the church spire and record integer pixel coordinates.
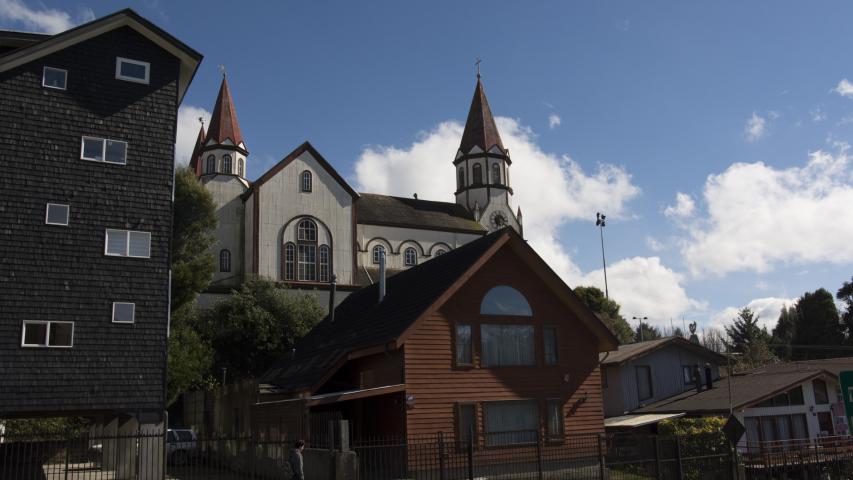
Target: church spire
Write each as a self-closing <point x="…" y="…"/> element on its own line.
<point x="480" y="128"/>
<point x="223" y="123"/>
<point x="195" y="158"/>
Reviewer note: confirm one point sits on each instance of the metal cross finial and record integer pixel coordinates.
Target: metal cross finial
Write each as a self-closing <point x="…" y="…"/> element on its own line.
<point x="221" y="69"/>
<point x="201" y="121"/>
<point x="477" y="63"/>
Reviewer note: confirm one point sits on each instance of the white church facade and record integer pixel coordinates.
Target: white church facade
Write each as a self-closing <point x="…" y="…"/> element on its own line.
<point x="300" y="223"/>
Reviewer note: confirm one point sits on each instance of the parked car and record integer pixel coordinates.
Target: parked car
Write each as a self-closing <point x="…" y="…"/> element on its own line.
<point x="181" y="446"/>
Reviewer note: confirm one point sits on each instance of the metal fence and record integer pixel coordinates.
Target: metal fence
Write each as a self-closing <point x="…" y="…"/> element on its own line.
<point x="823" y="457"/>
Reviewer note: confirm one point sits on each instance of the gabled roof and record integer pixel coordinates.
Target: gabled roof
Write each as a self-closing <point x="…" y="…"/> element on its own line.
<point x="223" y="122"/>
<point x="305" y="147"/>
<point x="402" y="212"/>
<point x="188" y="57"/>
<point x="631" y="351"/>
<point x="480" y="128"/>
<point x="362" y="323"/>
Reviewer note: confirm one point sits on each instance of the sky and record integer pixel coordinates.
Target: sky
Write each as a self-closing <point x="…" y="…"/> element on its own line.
<point x="713" y="135"/>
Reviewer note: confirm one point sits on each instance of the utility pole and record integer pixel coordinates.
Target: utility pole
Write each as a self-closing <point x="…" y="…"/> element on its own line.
<point x="640" y="329"/>
<point x="599" y="222"/>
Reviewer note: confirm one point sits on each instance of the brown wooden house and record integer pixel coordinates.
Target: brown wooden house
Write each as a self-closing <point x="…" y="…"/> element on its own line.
<point x="485" y="337"/>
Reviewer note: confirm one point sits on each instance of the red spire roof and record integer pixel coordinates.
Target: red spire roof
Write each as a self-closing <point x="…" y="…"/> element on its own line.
<point x="223" y="122"/>
<point x="195" y="158"/>
<point x="480" y="128"/>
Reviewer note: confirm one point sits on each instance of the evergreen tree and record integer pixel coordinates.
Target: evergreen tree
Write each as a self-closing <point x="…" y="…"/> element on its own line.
<point x="783" y="332"/>
<point x="748" y="339"/>
<point x="645" y="332"/>
<point x="845" y="295"/>
<point x="817" y="324"/>
<point x="608" y="311"/>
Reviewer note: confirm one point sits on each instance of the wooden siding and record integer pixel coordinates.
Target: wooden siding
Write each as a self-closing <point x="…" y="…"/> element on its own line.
<point x="437" y="386"/>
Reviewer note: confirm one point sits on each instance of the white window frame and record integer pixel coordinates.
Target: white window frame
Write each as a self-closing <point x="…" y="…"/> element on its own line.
<point x="126" y="244"/>
<point x="103" y="150"/>
<point x="43" y="76"/>
<point x="119" y="76"/>
<point x="133" y="319"/>
<point x="47" y="214"/>
<point x="46" y="333"/>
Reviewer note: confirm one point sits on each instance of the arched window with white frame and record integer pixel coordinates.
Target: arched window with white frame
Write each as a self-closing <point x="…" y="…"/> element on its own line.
<point x="378" y="253"/>
<point x="477" y="174"/>
<point x="411" y="257"/>
<point x="306" y="181"/>
<point x="224" y="261"/>
<point x="226" y="164"/>
<point x="306" y="249"/>
<point x="211" y="164"/>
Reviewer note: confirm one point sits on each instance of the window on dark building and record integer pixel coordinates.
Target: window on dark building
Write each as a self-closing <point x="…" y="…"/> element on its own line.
<point x="47" y="334"/>
<point x="132" y="70"/>
<point x="104" y="150"/>
<point x="644" y="382"/>
<point x="125" y="243"/>
<point x="464" y="355"/>
<point x="549" y="338"/>
<point x="306" y="181"/>
<point x="54" y="78"/>
<point x="507" y="345"/>
<point x="306" y="244"/>
<point x="224" y="261"/>
<point x="411" y="257"/>
<point x="57" y="214"/>
<point x="124" y="312"/>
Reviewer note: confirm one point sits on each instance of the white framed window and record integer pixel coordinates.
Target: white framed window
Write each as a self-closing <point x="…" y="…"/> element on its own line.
<point x="124" y="312"/>
<point x="132" y="70"/>
<point x="103" y="150"/>
<point x="411" y="257"/>
<point x="378" y="253"/>
<point x="37" y="333"/>
<point x="127" y="243"/>
<point x="307" y="183"/>
<point x="54" y="78"/>
<point x="56" y="214"/>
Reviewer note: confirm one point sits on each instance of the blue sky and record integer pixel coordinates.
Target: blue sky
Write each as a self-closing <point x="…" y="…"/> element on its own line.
<point x="739" y="106"/>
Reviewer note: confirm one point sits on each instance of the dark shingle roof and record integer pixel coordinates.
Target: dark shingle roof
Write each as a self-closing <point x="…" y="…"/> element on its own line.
<point x="634" y="350"/>
<point x="362" y="322"/>
<point x="480" y="127"/>
<point x="223" y="120"/>
<point x="376" y="209"/>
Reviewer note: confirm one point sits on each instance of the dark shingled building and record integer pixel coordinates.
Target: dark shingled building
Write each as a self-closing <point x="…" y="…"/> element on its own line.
<point x="87" y="127"/>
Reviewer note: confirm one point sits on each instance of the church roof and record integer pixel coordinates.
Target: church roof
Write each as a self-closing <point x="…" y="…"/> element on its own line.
<point x="480" y="128"/>
<point x="195" y="158"/>
<point x="373" y="209"/>
<point x="223" y="122"/>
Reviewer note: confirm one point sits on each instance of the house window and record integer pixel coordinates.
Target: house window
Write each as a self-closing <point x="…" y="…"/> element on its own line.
<point x="211" y="164"/>
<point x="240" y="167"/>
<point x="306" y="181"/>
<point x="378" y="253"/>
<point x="795" y="396"/>
<point x="687" y="374"/>
<point x="54" y="78"/>
<point x="477" y="174"/>
<point x="821" y="397"/>
<point x="47" y="334"/>
<point x="126" y="243"/>
<point x="496" y="173"/>
<point x="324" y="263"/>
<point x="440" y="251"/>
<point x="104" y="150"/>
<point x="132" y="70"/>
<point x="507" y="345"/>
<point x="503" y="300"/>
<point x="411" y="257"/>
<point x="513" y="422"/>
<point x="224" y="261"/>
<point x="306" y="247"/>
<point x="57" y="214"/>
<point x="555" y="418"/>
<point x="463" y="345"/>
<point x="466" y="421"/>
<point x="644" y="382"/>
<point x="226" y="164"/>
<point x="549" y="340"/>
<point x="123" y="312"/>
<point x="289" y="258"/>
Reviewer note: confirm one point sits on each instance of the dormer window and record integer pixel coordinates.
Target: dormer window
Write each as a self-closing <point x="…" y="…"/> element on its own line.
<point x="226" y="163"/>
<point x="132" y="70"/>
<point x="306" y="181"/>
<point x="54" y="78"/>
<point x="211" y="164"/>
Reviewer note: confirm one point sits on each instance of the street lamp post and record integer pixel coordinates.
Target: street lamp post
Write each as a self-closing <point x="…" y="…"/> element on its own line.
<point x="599" y="222"/>
<point x="640" y="329"/>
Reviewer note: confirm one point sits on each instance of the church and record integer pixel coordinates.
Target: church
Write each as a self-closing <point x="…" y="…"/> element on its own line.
<point x="301" y="224"/>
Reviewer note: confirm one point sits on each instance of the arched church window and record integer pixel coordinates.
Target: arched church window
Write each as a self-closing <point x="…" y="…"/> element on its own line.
<point x="224" y="261"/>
<point x="288" y="261"/>
<point x="325" y="262"/>
<point x="504" y="300"/>
<point x="461" y="180"/>
<point x="306" y="249"/>
<point x="211" y="164"/>
<point x="411" y="257"/>
<point x="477" y="173"/>
<point x="378" y="253"/>
<point x="226" y="164"/>
<point x="241" y="167"/>
<point x="306" y="181"/>
<point x="440" y="251"/>
<point x="496" y="174"/>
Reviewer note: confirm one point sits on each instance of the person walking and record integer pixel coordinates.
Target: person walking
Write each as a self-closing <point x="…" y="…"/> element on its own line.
<point x="296" y="462"/>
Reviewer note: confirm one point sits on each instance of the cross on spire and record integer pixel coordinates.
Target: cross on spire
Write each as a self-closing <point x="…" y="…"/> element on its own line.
<point x="477" y="63"/>
<point x="221" y="68"/>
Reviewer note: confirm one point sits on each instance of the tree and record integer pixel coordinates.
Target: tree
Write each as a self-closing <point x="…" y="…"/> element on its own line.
<point x="713" y="339"/>
<point x="190" y="359"/>
<point x="193" y="233"/>
<point x="783" y="332"/>
<point x="608" y="311"/>
<point x="645" y="332"/>
<point x="749" y="340"/>
<point x="817" y="324"/>
<point x="845" y="295"/>
<point x="256" y="326"/>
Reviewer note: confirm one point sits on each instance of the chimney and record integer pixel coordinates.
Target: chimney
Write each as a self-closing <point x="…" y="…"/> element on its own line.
<point x="381" y="276"/>
<point x="709" y="382"/>
<point x="334" y="286"/>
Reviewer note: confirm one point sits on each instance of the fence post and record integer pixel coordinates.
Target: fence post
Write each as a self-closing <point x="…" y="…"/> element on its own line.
<point x="441" y="459"/>
<point x="656" y="444"/>
<point x="679" y="469"/>
<point x="602" y="461"/>
<point x="471" y="453"/>
<point x="67" y="449"/>
<point x="539" y="453"/>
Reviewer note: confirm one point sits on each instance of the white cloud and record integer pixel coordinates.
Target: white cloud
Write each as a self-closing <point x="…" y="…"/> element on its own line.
<point x="818" y="115"/>
<point x="654" y="244"/>
<point x="767" y="309"/>
<point x="844" y="88"/>
<point x="759" y="216"/>
<point x="43" y="19"/>
<point x="683" y="208"/>
<point x="755" y="127"/>
<point x="188" y="131"/>
<point x="553" y="121"/>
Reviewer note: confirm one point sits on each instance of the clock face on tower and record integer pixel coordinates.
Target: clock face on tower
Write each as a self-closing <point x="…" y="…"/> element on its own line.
<point x="498" y="220"/>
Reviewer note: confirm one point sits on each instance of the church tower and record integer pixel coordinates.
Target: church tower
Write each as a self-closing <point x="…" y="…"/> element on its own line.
<point x="482" y="168"/>
<point x="223" y="150"/>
